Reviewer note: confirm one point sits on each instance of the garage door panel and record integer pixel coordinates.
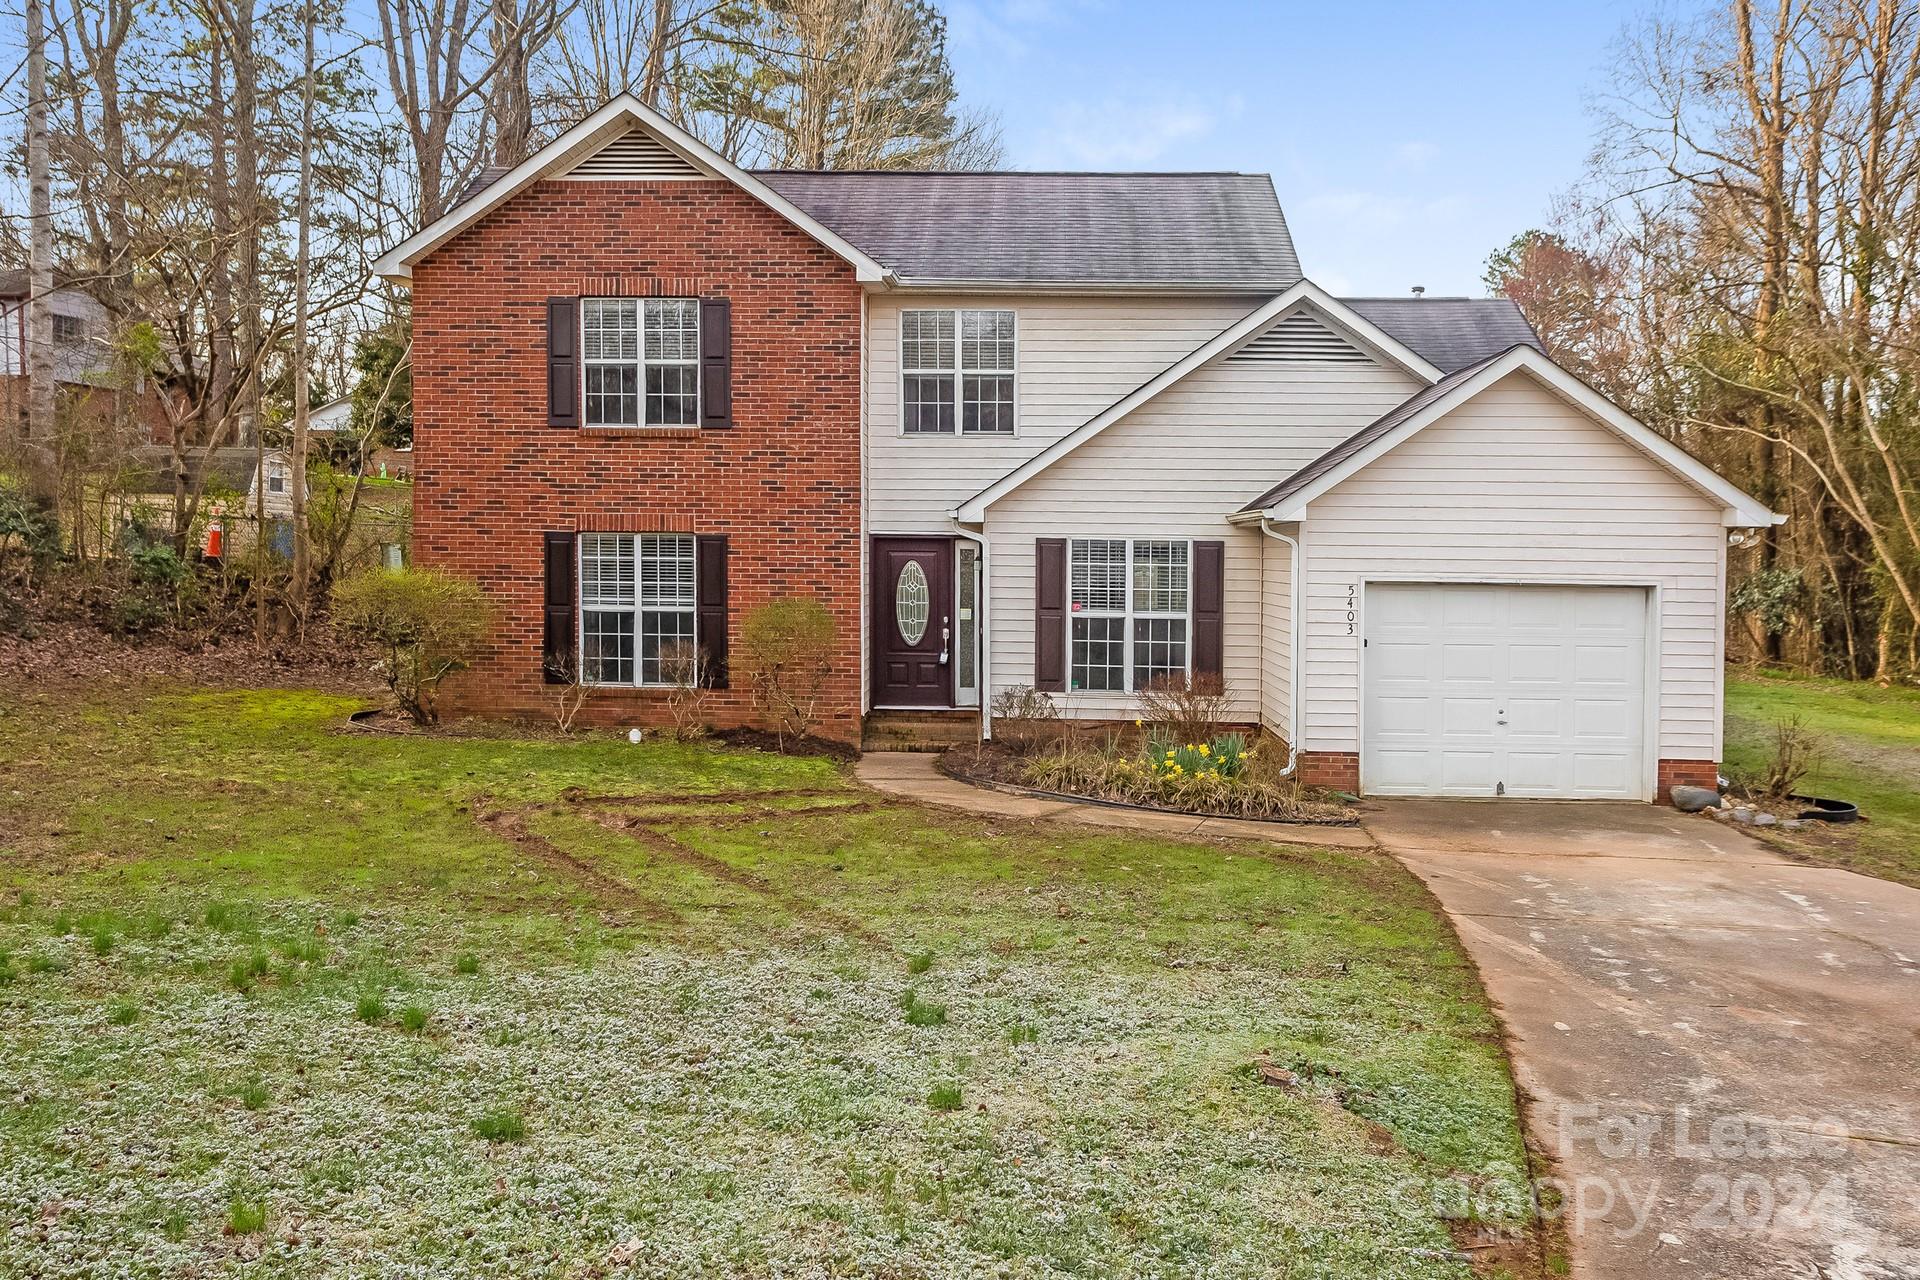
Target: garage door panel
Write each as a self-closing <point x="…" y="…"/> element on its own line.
<point x="1525" y="691"/>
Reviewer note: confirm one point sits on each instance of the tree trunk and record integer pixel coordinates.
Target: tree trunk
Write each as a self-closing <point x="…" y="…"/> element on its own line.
<point x="43" y="479"/>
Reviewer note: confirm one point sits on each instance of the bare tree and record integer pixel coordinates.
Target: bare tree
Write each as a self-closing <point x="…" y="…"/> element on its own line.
<point x="42" y="476"/>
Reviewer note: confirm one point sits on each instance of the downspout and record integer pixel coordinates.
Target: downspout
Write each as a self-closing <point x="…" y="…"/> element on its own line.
<point x="983" y="669"/>
<point x="1297" y="650"/>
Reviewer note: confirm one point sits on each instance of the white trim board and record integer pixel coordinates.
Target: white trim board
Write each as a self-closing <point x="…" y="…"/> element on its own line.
<point x="619" y="116"/>
<point x="1741" y="511"/>
<point x="1254" y="323"/>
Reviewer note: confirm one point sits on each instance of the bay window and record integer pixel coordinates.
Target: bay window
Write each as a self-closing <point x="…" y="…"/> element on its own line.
<point x="957" y="371"/>
<point x="1130" y="603"/>
<point x="636" y="608"/>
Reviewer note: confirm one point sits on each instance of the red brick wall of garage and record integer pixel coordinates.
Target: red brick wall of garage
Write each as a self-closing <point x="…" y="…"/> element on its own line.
<point x="783" y="485"/>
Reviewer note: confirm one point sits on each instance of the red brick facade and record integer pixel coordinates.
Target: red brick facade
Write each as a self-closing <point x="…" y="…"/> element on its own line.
<point x="1335" y="770"/>
<point x="1691" y="773"/>
<point x="782" y="485"/>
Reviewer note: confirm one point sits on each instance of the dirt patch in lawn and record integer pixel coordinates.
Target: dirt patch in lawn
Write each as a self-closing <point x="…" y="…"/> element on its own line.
<point x="609" y="889"/>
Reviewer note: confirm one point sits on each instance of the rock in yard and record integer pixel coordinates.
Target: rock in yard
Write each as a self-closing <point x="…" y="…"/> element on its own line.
<point x="1794" y="824"/>
<point x="1693" y="799"/>
<point x="1743" y="814"/>
<point x="1764" y="820"/>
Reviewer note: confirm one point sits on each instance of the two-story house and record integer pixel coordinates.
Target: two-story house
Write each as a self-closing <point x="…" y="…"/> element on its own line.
<point x="1069" y="431"/>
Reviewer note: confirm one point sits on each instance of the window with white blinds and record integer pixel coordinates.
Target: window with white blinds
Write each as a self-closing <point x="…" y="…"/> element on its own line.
<point x="637" y="608"/>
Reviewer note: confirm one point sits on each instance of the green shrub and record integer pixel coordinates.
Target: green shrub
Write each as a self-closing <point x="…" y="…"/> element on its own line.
<point x="426" y="624"/>
<point x="785" y="651"/>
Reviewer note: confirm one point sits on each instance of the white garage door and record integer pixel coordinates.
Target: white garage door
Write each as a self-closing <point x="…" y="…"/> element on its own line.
<point x="1519" y="691"/>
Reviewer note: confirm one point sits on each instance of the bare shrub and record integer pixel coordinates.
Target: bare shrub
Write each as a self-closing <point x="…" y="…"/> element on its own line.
<point x="689" y="696"/>
<point x="572" y="692"/>
<point x="425" y="624"/>
<point x="1025" y="719"/>
<point x="1180" y="708"/>
<point x="1795" y="751"/>
<point x="786" y="647"/>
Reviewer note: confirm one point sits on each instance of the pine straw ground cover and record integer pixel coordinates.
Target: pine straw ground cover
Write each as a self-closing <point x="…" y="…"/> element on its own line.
<point x="282" y="1000"/>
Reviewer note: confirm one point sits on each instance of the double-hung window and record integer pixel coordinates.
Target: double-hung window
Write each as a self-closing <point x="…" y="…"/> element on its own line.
<point x="1131" y="612"/>
<point x="956" y="372"/>
<point x="636" y="608"/>
<point x="641" y="358"/>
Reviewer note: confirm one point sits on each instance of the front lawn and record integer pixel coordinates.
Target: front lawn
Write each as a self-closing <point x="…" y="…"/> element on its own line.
<point x="282" y="999"/>
<point x="1870" y="754"/>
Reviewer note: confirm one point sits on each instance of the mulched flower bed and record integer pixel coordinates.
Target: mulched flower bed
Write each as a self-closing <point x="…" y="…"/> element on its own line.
<point x="1278" y="800"/>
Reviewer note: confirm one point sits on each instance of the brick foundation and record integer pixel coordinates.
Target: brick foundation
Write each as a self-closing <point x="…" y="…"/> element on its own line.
<point x="1691" y="773"/>
<point x="1335" y="770"/>
<point x="782" y="485"/>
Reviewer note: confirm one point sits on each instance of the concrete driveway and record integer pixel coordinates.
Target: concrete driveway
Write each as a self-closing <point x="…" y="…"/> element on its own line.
<point x="1721" y="1047"/>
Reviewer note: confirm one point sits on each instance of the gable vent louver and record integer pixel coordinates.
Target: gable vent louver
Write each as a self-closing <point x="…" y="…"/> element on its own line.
<point x="632" y="156"/>
<point x="1301" y="339"/>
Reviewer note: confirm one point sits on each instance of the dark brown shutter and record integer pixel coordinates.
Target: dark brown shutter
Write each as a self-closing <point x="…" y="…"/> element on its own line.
<point x="563" y="362"/>
<point x="558" y="656"/>
<point x="1050" y="615"/>
<point x="710" y="605"/>
<point x="1209" y="603"/>
<point x="716" y="362"/>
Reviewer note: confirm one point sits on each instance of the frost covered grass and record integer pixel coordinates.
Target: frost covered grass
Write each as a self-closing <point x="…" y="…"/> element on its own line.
<point x="669" y="1010"/>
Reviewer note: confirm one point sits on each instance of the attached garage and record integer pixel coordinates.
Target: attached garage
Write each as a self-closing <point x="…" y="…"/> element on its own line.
<point x="1488" y="690"/>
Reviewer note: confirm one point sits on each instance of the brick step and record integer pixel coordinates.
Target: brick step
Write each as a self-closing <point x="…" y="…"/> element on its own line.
<point x="919" y="730"/>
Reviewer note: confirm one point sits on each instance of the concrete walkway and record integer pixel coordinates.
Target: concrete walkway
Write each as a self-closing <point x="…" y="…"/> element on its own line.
<point x="1721" y="1047"/>
<point x="916" y="776"/>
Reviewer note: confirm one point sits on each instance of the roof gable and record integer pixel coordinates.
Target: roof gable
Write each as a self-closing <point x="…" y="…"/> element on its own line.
<point x="586" y="142"/>
<point x="1305" y="294"/>
<point x="1288" y="500"/>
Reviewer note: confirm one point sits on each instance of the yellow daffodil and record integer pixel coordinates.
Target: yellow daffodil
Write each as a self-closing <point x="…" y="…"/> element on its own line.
<point x="1202" y="749"/>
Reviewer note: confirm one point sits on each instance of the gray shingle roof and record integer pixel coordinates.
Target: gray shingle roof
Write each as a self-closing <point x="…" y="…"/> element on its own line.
<point x="1153" y="229"/>
<point x="1451" y="333"/>
<point x="1379" y="428"/>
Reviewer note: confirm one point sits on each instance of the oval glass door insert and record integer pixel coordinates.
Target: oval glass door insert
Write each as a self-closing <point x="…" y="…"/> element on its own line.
<point x="910" y="602"/>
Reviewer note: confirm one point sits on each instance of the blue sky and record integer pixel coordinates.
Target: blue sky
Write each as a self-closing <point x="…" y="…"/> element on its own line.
<point x="1407" y="141"/>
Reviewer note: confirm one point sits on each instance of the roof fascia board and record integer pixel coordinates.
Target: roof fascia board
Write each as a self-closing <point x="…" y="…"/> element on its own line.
<point x="1199" y="288"/>
<point x="619" y="114"/>
<point x="1741" y="511"/>
<point x="974" y="509"/>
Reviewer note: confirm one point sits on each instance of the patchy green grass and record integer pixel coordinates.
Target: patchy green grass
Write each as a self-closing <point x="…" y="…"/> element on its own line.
<point x="667" y="1006"/>
<point x="1870" y="739"/>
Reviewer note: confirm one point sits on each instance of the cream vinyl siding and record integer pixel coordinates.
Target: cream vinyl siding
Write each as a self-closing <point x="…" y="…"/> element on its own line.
<point x="1074" y="357"/>
<point x="1276" y="634"/>
<point x="1177" y="468"/>
<point x="1519" y="486"/>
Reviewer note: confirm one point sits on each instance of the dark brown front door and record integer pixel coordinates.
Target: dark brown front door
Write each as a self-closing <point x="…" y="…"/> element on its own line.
<point x="912" y="622"/>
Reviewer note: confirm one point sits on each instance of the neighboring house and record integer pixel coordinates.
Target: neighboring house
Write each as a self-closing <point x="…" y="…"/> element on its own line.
<point x="1073" y="431"/>
<point x="238" y="485"/>
<point x="332" y="417"/>
<point x="82" y="353"/>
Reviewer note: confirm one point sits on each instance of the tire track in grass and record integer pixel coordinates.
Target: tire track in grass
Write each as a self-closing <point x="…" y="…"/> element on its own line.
<point x="511" y="825"/>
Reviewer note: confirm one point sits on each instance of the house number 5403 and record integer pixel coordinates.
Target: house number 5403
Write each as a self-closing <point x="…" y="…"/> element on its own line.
<point x="1353" y="595"/>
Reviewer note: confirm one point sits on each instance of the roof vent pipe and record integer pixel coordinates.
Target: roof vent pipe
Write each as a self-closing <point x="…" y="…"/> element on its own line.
<point x="1419" y="291"/>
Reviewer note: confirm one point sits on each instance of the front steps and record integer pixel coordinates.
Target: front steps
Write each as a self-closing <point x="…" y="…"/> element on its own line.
<point x="929" y="730"/>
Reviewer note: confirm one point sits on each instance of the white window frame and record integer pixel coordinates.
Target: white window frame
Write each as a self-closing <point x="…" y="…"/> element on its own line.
<point x="1129" y="614"/>
<point x="640" y="364"/>
<point x="958" y="374"/>
<point x="276" y="477"/>
<point x="637" y="606"/>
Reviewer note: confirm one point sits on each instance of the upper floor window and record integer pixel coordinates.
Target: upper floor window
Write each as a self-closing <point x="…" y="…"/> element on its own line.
<point x="957" y="371"/>
<point x="69" y="329"/>
<point x="641" y="358"/>
<point x="276" y="478"/>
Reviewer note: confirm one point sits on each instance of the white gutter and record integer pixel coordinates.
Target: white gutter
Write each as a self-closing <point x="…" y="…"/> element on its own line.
<point x="1298" y="655"/>
<point x="983" y="669"/>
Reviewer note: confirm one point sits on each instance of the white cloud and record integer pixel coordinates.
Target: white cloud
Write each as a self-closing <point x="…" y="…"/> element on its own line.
<point x="1117" y="133"/>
